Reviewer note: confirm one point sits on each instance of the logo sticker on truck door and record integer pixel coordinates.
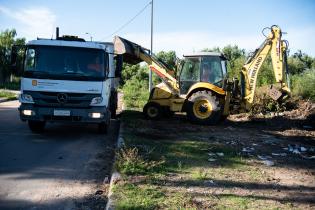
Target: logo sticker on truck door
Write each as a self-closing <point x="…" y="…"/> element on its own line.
<point x="34" y="82"/>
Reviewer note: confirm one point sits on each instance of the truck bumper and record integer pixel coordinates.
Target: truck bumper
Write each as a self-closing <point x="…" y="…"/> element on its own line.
<point x="31" y="112"/>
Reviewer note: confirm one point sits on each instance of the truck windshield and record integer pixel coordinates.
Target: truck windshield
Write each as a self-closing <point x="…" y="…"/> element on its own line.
<point x="65" y="63"/>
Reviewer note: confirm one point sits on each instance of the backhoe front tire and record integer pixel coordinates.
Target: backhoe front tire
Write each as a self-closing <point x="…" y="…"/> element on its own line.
<point x="152" y="111"/>
<point x="204" y="108"/>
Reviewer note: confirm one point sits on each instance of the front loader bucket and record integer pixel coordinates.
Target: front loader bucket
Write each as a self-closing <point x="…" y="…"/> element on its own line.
<point x="128" y="49"/>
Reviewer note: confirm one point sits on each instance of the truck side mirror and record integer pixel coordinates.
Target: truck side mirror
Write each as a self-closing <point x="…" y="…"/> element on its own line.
<point x="14" y="55"/>
<point x="119" y="65"/>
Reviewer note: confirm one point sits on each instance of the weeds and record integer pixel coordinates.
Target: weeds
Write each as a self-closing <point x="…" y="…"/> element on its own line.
<point x="130" y="162"/>
<point x="303" y="84"/>
<point x="200" y="174"/>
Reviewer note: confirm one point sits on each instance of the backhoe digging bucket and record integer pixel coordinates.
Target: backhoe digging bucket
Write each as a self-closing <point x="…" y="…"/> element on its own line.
<point x="277" y="94"/>
<point x="129" y="50"/>
<point x="274" y="93"/>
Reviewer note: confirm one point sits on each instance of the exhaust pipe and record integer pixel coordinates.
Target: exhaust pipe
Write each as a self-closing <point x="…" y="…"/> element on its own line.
<point x="57" y="33"/>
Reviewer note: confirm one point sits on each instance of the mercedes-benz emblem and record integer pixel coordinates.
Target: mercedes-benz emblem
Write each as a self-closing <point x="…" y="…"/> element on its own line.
<point x="62" y="98"/>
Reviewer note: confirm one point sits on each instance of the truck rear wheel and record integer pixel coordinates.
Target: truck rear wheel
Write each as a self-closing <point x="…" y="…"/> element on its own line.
<point x="113" y="104"/>
<point x="152" y="111"/>
<point x="36" y="126"/>
<point x="204" y="108"/>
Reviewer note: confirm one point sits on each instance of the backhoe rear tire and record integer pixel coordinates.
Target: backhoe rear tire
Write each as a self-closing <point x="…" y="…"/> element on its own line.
<point x="152" y="111"/>
<point x="204" y="108"/>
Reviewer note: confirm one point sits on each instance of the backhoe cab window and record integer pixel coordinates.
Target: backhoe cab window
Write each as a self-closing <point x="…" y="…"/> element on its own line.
<point x="65" y="63"/>
<point x="211" y="70"/>
<point x="190" y="70"/>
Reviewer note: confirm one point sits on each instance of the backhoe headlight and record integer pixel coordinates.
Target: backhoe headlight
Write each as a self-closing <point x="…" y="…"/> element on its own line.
<point x="96" y="100"/>
<point x="26" y="99"/>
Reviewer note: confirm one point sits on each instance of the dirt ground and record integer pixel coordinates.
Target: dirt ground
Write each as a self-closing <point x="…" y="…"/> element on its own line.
<point x="278" y="148"/>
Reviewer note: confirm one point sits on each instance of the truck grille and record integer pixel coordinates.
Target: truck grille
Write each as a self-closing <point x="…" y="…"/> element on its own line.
<point x="58" y="99"/>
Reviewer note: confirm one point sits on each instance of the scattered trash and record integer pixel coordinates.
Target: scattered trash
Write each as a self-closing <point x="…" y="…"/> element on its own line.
<point x="279" y="154"/>
<point x="296" y="151"/>
<point x="308" y="157"/>
<point x="248" y="149"/>
<point x="106" y="180"/>
<point x="209" y="182"/>
<point x="303" y="149"/>
<point x="212" y="159"/>
<point x="99" y="192"/>
<point x="221" y="154"/>
<point x="211" y="154"/>
<point x="264" y="157"/>
<point x="307" y="127"/>
<point x="254" y="144"/>
<point x="231" y="142"/>
<point x="307" y="153"/>
<point x="268" y="163"/>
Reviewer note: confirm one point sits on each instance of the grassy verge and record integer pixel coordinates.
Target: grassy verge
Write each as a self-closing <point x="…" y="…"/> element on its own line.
<point x="8" y="95"/>
<point x="166" y="167"/>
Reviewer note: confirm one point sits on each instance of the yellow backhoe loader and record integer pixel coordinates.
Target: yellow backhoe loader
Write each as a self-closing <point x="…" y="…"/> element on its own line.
<point x="202" y="88"/>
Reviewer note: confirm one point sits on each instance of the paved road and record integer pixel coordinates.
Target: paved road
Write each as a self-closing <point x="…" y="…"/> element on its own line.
<point x="59" y="169"/>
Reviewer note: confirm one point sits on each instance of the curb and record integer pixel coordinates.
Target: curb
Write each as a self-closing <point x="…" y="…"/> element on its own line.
<point x="116" y="176"/>
<point x="3" y="100"/>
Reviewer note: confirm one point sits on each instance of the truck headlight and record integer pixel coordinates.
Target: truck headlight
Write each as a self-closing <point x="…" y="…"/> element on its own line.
<point x="28" y="112"/>
<point x="96" y="100"/>
<point x="26" y="98"/>
<point x="95" y="115"/>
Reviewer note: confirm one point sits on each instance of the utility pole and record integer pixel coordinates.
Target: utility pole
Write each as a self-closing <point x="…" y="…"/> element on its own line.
<point x="150" y="72"/>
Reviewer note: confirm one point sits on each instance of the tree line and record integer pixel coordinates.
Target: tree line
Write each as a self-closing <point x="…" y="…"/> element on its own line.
<point x="135" y="77"/>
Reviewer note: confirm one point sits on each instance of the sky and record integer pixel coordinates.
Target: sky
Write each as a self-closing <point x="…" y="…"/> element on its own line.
<point x="180" y="25"/>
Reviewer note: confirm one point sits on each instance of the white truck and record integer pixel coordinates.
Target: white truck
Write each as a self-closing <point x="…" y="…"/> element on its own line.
<point x="68" y="79"/>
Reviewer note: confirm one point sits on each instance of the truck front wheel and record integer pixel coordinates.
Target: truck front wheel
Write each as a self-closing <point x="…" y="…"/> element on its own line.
<point x="36" y="126"/>
<point x="102" y="128"/>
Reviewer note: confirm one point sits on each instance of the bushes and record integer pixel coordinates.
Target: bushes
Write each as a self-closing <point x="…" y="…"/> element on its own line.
<point x="136" y="92"/>
<point x="304" y="84"/>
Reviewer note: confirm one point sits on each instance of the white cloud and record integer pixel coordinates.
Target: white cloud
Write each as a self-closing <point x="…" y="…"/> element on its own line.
<point x="186" y="42"/>
<point x="34" y="21"/>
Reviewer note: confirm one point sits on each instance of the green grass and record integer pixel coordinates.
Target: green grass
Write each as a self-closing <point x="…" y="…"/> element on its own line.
<point x="7" y="95"/>
<point x="131" y="196"/>
<point x="162" y="170"/>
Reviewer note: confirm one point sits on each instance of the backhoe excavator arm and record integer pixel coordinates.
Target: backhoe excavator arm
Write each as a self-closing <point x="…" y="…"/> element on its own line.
<point x="133" y="54"/>
<point x="278" y="49"/>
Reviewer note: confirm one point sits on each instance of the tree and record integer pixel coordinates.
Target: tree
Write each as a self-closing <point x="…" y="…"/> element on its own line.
<point x="235" y="55"/>
<point x="7" y="40"/>
<point x="299" y="62"/>
<point x="169" y="58"/>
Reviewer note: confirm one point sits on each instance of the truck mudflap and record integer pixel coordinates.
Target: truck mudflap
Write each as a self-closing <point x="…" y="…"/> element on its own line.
<point x="87" y="115"/>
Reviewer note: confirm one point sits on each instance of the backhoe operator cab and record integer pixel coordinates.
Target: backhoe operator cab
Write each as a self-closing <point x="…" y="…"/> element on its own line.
<point x="209" y="67"/>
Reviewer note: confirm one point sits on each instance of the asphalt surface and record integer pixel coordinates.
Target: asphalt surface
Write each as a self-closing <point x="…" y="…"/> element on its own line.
<point x="62" y="168"/>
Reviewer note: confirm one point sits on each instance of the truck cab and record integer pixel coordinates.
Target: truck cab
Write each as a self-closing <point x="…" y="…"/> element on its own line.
<point x="68" y="79"/>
